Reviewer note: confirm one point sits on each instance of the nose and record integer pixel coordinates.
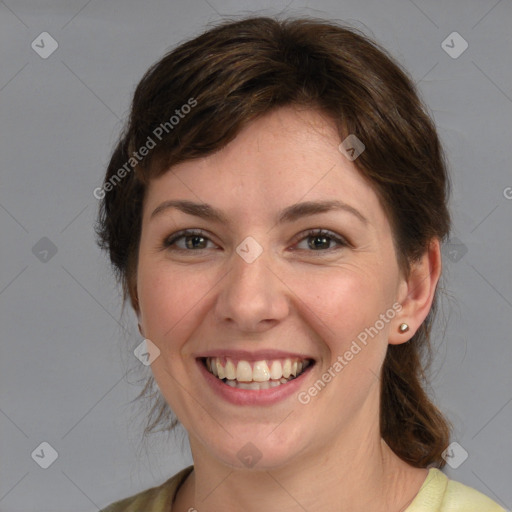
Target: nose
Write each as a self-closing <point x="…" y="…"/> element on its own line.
<point x="253" y="296"/>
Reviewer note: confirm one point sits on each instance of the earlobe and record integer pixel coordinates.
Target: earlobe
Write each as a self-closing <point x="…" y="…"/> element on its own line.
<point x="417" y="294"/>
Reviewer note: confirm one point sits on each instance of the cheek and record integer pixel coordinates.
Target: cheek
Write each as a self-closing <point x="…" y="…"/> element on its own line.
<point x="344" y="302"/>
<point x="167" y="301"/>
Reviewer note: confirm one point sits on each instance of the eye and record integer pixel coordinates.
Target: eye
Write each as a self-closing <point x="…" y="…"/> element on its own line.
<point x="194" y="239"/>
<point x="321" y="239"/>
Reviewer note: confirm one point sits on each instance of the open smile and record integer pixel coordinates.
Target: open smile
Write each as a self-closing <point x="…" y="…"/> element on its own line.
<point x="260" y="382"/>
<point x="256" y="375"/>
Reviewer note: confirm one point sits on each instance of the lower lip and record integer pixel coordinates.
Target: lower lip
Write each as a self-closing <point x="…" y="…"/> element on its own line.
<point x="252" y="396"/>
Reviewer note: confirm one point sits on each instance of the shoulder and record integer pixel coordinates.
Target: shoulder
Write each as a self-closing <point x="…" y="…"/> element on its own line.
<point x="460" y="497"/>
<point x="440" y="494"/>
<point x="155" y="499"/>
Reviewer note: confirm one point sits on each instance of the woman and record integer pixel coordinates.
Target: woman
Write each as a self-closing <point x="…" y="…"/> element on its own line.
<point x="274" y="212"/>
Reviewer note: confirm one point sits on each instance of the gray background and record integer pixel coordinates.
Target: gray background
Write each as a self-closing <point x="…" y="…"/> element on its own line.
<point x="66" y="346"/>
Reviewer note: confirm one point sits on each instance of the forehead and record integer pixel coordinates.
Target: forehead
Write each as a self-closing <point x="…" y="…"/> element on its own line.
<point x="287" y="156"/>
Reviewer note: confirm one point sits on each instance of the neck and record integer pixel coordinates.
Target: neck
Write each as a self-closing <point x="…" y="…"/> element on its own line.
<point x="355" y="473"/>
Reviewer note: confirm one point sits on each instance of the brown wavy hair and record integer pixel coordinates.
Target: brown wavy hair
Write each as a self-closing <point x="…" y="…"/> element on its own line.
<point x="240" y="70"/>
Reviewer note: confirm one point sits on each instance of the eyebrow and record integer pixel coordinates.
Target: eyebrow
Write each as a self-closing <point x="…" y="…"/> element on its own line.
<point x="289" y="214"/>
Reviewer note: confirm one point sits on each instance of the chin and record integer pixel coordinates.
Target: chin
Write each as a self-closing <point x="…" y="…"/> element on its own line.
<point x="255" y="453"/>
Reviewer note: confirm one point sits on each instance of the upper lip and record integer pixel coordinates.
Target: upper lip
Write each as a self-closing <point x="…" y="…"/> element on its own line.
<point x="248" y="355"/>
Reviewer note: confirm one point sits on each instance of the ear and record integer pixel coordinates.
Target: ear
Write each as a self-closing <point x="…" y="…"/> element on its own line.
<point x="139" y="322"/>
<point x="134" y="301"/>
<point x="416" y="293"/>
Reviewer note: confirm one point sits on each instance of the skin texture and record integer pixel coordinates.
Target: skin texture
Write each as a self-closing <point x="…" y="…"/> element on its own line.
<point x="328" y="454"/>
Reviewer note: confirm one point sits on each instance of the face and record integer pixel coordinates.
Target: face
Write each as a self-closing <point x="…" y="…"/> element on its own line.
<point x="265" y="284"/>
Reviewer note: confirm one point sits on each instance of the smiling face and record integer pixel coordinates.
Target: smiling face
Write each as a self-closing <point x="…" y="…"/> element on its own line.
<point x="215" y="297"/>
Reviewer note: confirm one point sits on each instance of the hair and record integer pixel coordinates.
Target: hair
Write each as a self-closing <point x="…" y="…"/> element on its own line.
<point x="240" y="70"/>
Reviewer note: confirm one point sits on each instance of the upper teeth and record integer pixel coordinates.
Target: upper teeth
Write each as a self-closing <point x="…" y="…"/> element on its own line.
<point x="258" y="371"/>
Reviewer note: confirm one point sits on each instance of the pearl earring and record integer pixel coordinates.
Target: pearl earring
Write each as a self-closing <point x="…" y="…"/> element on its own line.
<point x="403" y="328"/>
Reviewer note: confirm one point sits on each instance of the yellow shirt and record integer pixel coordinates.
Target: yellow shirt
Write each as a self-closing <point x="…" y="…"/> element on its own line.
<point x="437" y="494"/>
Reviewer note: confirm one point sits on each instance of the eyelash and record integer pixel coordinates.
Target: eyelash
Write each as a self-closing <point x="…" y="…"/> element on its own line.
<point x="171" y="240"/>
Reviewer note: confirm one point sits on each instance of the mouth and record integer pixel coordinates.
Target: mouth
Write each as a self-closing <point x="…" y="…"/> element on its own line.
<point x="256" y="375"/>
